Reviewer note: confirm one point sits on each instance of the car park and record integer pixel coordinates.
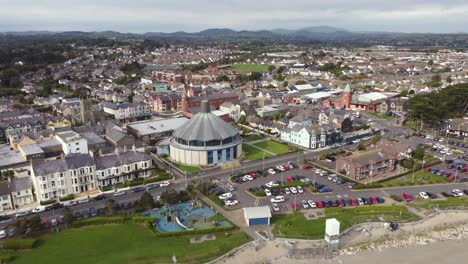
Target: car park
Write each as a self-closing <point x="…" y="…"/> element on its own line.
<point x="225" y="196"/>
<point x="275" y="207"/>
<point x="277" y="199"/>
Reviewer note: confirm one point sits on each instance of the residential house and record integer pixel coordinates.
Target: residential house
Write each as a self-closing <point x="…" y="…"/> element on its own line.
<point x="5" y="196"/>
<point x="127" y="111"/>
<point x="72" y="142"/>
<point x="22" y="191"/>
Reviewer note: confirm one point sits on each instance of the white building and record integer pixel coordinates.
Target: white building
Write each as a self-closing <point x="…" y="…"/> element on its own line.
<point x="72" y="142"/>
<point x="71" y="175"/>
<point x="5" y="197"/>
<point x="21" y="191"/>
<point x="127" y="111"/>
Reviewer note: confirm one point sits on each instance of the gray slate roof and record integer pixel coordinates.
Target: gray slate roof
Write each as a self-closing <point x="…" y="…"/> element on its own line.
<point x="125" y="158"/>
<point x="20" y="184"/>
<point x="71" y="162"/>
<point x="205" y="127"/>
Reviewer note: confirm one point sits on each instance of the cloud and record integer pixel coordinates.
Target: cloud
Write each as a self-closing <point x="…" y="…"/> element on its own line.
<point x="195" y="15"/>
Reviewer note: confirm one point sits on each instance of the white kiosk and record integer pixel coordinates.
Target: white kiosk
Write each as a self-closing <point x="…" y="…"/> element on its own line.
<point x="332" y="233"/>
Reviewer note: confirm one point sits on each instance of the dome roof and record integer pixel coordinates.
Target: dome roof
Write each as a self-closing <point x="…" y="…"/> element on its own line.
<point x="205" y="126"/>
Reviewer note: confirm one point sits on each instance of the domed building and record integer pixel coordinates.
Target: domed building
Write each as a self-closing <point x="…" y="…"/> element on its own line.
<point x="205" y="139"/>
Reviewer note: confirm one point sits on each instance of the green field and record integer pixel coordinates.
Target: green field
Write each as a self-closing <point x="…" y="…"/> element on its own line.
<point x="381" y="116"/>
<point x="186" y="168"/>
<point x="452" y="203"/>
<point x="274" y="147"/>
<point x="250" y="67"/>
<point x="252" y="137"/>
<point x="252" y="153"/>
<point x="420" y="178"/>
<point x="297" y="226"/>
<point x="124" y="243"/>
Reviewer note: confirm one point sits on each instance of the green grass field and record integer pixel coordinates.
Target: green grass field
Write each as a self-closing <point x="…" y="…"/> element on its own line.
<point x="297" y="226"/>
<point x="250" y="67"/>
<point x="381" y="116"/>
<point x="451" y="203"/>
<point x="188" y="169"/>
<point x="129" y="243"/>
<point x="274" y="147"/>
<point x="253" y="137"/>
<point x="252" y="153"/>
<point x="420" y="178"/>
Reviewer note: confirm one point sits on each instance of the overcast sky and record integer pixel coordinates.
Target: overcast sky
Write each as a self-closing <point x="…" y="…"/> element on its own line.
<point x="445" y="16"/>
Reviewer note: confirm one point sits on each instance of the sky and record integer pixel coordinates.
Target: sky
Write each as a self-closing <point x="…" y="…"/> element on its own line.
<point x="139" y="16"/>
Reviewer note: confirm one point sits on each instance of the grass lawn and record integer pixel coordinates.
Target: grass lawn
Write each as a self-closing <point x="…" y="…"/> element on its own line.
<point x="297" y="226"/>
<point x="250" y="67"/>
<point x="448" y="204"/>
<point x="420" y="178"/>
<point x="274" y="147"/>
<point x="129" y="243"/>
<point x="252" y="137"/>
<point x="252" y="153"/>
<point x="186" y="168"/>
<point x="381" y="116"/>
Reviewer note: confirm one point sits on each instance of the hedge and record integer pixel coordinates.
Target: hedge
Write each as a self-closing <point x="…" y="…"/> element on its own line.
<point x="19" y="244"/>
<point x="6" y="258"/>
<point x="111" y="220"/>
<point x="51" y="201"/>
<point x="195" y="232"/>
<point x="67" y="197"/>
<point x="396" y="198"/>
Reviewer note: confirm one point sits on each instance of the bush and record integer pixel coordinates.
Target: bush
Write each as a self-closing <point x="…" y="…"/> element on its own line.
<point x="6" y="258"/>
<point x="51" y="201"/>
<point x="396" y="198"/>
<point x="19" y="244"/>
<point x="67" y="197"/>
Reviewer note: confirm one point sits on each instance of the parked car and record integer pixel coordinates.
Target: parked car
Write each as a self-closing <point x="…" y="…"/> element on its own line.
<point x="165" y="184"/>
<point x="287" y="191"/>
<point x="312" y="204"/>
<point x="351" y="185"/>
<point x="325" y="189"/>
<point x="271" y="171"/>
<point x="423" y="195"/>
<point x="22" y="213"/>
<point x="380" y="199"/>
<point x="275" y="207"/>
<point x="431" y="195"/>
<point x="267" y="192"/>
<point x="231" y="202"/>
<point x="69" y="203"/>
<point x="293" y="190"/>
<point x="83" y="201"/>
<point x="295" y="206"/>
<point x="319" y="204"/>
<point x="353" y="202"/>
<point x="39" y="209"/>
<point x="304" y="204"/>
<point x="307" y="167"/>
<point x="277" y="199"/>
<point x="120" y="193"/>
<point x="446" y="194"/>
<point x="408" y="197"/>
<point x="373" y="200"/>
<point x="299" y="189"/>
<point x="138" y="189"/>
<point x="100" y="197"/>
<point x="92" y="211"/>
<point x="457" y="193"/>
<point x="360" y="201"/>
<point x="225" y="196"/>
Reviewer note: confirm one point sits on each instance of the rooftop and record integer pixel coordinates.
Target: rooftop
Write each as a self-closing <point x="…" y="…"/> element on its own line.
<point x="158" y="126"/>
<point x="257" y="212"/>
<point x="69" y="136"/>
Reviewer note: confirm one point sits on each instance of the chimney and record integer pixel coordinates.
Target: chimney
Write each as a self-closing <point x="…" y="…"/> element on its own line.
<point x="117" y="151"/>
<point x="205" y="106"/>
<point x="134" y="148"/>
<point x="100" y="152"/>
<point x="125" y="148"/>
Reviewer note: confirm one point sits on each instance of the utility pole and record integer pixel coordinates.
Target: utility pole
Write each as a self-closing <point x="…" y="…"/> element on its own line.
<point x="414" y="165"/>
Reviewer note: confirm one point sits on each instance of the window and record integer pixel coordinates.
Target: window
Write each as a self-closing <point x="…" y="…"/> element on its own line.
<point x="77" y="143"/>
<point x="44" y="186"/>
<point x="53" y="183"/>
<point x="62" y="182"/>
<point x="43" y="178"/>
<point x="61" y="175"/>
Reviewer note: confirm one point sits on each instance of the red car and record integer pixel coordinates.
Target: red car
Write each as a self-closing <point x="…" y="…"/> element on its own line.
<point x="307" y="167"/>
<point x="428" y="169"/>
<point x="319" y="204"/>
<point x="373" y="200"/>
<point x="451" y="177"/>
<point x="340" y="203"/>
<point x="353" y="202"/>
<point x="286" y="167"/>
<point x="253" y="175"/>
<point x="295" y="206"/>
<point x="408" y="197"/>
<point x="289" y="179"/>
<point x="46" y="223"/>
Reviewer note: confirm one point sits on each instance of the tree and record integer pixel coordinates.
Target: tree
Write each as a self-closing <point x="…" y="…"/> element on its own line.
<point x="110" y="206"/>
<point x="375" y="139"/>
<point x="271" y="68"/>
<point x="242" y="119"/>
<point x="430" y="62"/>
<point x="67" y="216"/>
<point x="361" y="146"/>
<point x="285" y="84"/>
<point x="222" y="78"/>
<point x="300" y="82"/>
<point x="147" y="201"/>
<point x="170" y="196"/>
<point x="418" y="153"/>
<point x="404" y="93"/>
<point x="36" y="224"/>
<point x="449" y="79"/>
<point x="255" y="76"/>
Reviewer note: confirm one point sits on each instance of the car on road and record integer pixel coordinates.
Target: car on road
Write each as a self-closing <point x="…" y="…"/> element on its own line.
<point x="351" y="185"/>
<point x="165" y="184"/>
<point x="120" y="193"/>
<point x="69" y="203"/>
<point x="275" y="207"/>
<point x="231" y="202"/>
<point x="267" y="192"/>
<point x="457" y="193"/>
<point x="151" y="187"/>
<point x="100" y="197"/>
<point x="92" y="211"/>
<point x="39" y="209"/>
<point x="312" y="204"/>
<point x="225" y="196"/>
<point x="83" y="201"/>
<point x="408" y="197"/>
<point x="304" y="204"/>
<point x="295" y="206"/>
<point x="22" y="213"/>
<point x="325" y="189"/>
<point x="299" y="189"/>
<point x="230" y="188"/>
<point x="423" y="195"/>
<point x="271" y="171"/>
<point x="138" y="189"/>
<point x="277" y="199"/>
<point x="307" y="167"/>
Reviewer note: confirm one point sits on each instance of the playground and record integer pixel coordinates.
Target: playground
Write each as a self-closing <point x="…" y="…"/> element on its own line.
<point x="185" y="216"/>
